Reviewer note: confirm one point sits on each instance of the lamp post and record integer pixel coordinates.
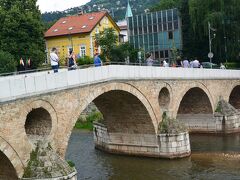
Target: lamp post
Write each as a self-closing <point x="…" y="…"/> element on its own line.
<point x="210" y="54"/>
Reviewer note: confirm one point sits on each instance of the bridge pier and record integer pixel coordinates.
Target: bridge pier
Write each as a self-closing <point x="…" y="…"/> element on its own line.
<point x="148" y="145"/>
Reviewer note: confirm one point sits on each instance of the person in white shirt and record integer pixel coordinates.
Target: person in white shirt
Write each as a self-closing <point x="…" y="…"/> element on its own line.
<point x="149" y="60"/>
<point x="54" y="60"/>
<point x="185" y="63"/>
<point x="196" y="63"/>
<point x="165" y="64"/>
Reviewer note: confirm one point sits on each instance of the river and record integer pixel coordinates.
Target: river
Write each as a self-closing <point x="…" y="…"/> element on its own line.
<point x="213" y="157"/>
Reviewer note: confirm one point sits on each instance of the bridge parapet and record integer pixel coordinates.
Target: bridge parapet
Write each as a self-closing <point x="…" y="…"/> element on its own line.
<point x="19" y="86"/>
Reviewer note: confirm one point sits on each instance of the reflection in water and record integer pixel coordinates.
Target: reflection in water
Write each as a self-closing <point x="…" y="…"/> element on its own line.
<point x="213" y="157"/>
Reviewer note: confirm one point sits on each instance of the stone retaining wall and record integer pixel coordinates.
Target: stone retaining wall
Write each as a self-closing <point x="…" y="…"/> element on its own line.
<point x="162" y="145"/>
<point x="211" y="123"/>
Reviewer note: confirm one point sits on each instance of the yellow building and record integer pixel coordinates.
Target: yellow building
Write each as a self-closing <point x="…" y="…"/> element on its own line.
<point x="78" y="33"/>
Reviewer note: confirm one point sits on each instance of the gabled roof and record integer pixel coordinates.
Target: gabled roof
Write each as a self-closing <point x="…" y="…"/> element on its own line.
<point x="84" y="23"/>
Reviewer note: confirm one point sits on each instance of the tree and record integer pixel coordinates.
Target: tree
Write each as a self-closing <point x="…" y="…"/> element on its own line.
<point x="7" y="62"/>
<point x="122" y="52"/>
<point x="223" y="15"/>
<point x="22" y="30"/>
<point x="107" y="40"/>
<point x="165" y="4"/>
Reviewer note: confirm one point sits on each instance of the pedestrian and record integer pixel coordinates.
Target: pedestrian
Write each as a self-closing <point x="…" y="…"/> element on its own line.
<point x="54" y="60"/>
<point x="196" y="63"/>
<point x="179" y="62"/>
<point x="29" y="64"/>
<point x="21" y="66"/>
<point x="222" y="66"/>
<point x="165" y="64"/>
<point x="72" y="61"/>
<point x="185" y="63"/>
<point x="97" y="60"/>
<point x="149" y="59"/>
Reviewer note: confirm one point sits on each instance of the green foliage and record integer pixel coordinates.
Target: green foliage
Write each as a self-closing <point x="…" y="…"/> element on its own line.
<point x="7" y="62"/>
<point x="107" y="40"/>
<point x="70" y="163"/>
<point x="218" y="108"/>
<point x="88" y="123"/>
<point x="21" y="32"/>
<point x="116" y="7"/>
<point x="121" y="52"/>
<point x="84" y="60"/>
<point x="232" y="65"/>
<point x="165" y="4"/>
<point x="223" y="15"/>
<point x="170" y="126"/>
<point x="32" y="162"/>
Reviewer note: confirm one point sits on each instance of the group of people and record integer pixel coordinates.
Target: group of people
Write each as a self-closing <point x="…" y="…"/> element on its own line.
<point x="55" y="60"/>
<point x="150" y="61"/>
<point x="72" y="64"/>
<point x="179" y="63"/>
<point x="24" y="66"/>
<point x="189" y="64"/>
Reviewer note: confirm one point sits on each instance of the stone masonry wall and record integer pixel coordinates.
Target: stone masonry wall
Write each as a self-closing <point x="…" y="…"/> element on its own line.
<point x="162" y="145"/>
<point x="66" y="106"/>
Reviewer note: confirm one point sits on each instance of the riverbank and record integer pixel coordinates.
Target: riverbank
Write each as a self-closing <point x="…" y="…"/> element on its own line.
<point x="85" y="122"/>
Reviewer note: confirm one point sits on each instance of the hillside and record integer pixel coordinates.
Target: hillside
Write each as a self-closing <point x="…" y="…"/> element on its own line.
<point x="117" y="8"/>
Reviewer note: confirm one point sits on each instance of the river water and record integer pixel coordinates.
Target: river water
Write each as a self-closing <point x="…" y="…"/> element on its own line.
<point x="213" y="157"/>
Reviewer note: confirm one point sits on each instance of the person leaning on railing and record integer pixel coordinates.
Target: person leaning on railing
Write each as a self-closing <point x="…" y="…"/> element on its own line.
<point x="97" y="60"/>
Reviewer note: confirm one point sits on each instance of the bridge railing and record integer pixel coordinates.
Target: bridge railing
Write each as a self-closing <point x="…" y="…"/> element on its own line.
<point x="22" y="85"/>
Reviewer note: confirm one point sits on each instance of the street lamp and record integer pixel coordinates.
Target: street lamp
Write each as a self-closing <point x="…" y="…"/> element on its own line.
<point x="210" y="54"/>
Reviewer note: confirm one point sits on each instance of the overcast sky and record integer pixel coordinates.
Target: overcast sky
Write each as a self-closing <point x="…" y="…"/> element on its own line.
<point x="59" y="5"/>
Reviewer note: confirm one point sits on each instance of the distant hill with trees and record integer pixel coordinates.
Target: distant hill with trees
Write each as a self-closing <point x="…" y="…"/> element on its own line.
<point x="117" y="8"/>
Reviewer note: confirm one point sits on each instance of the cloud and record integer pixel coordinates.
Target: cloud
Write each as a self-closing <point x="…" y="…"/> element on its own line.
<point x="59" y="5"/>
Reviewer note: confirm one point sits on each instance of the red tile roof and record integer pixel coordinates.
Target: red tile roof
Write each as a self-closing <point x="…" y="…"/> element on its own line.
<point x="75" y="24"/>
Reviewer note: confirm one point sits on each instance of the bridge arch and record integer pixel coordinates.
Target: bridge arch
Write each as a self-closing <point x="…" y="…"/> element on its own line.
<point x="126" y="89"/>
<point x="234" y="97"/>
<point x="11" y="165"/>
<point x="202" y="89"/>
<point x="136" y="116"/>
<point x="195" y="107"/>
<point x="40" y="119"/>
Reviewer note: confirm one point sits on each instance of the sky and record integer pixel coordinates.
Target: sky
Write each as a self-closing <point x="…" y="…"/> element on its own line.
<point x="59" y="5"/>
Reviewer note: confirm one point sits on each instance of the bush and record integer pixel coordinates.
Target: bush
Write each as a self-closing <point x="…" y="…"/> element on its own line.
<point x="70" y="163"/>
<point x="88" y="123"/>
<point x="170" y="126"/>
<point x="232" y="65"/>
<point x="84" y="60"/>
<point x="7" y="62"/>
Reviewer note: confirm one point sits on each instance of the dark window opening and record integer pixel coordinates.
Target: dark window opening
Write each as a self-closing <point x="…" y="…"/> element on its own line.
<point x="166" y="53"/>
<point x="170" y="35"/>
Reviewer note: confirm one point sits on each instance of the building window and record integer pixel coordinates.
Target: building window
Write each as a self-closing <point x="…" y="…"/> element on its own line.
<point x="170" y="27"/>
<point x="97" y="30"/>
<point x="161" y="54"/>
<point x="166" y="53"/>
<point x="175" y="24"/>
<point x="82" y="50"/>
<point x="170" y="35"/>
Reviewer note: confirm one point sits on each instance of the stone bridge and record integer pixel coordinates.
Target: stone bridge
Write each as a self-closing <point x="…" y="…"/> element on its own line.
<point x="131" y="99"/>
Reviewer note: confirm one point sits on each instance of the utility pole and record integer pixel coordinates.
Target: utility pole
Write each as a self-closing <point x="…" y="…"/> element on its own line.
<point x="210" y="54"/>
